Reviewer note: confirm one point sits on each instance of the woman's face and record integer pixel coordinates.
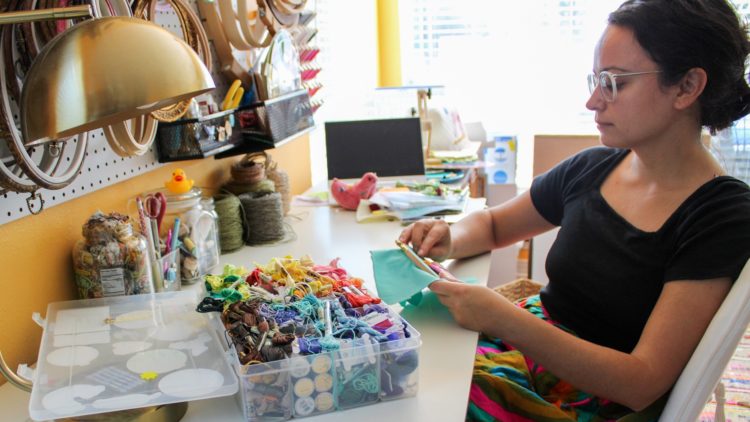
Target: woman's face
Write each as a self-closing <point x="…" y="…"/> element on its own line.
<point x="642" y="109"/>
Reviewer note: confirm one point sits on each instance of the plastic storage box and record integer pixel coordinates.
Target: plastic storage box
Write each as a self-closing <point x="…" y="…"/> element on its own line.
<point x="126" y="352"/>
<point x="360" y="373"/>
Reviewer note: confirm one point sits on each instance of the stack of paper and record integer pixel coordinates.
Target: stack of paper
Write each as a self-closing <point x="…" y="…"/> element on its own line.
<point x="408" y="202"/>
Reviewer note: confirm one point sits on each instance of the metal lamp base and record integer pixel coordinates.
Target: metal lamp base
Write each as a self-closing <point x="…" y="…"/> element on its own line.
<point x="164" y="413"/>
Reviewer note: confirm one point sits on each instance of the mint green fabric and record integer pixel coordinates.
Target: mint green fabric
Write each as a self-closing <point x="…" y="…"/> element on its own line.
<point x="397" y="279"/>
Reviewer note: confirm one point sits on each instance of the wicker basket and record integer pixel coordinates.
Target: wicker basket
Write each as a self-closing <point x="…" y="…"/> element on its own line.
<point x="519" y="289"/>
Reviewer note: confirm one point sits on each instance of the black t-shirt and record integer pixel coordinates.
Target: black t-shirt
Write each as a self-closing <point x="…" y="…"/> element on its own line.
<point x="605" y="275"/>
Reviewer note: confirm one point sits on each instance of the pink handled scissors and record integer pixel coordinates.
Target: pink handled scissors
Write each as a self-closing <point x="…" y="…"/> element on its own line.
<point x="155" y="206"/>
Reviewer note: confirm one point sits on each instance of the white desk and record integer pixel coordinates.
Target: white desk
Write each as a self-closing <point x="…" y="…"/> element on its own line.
<point x="446" y="356"/>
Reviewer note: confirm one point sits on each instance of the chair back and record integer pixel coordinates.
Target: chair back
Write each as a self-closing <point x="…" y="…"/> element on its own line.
<point x="705" y="367"/>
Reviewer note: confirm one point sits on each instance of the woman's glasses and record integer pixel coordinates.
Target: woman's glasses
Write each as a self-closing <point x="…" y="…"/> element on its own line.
<point x="607" y="82"/>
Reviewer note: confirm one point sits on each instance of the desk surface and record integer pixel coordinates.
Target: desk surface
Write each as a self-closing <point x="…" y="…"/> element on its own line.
<point x="324" y="233"/>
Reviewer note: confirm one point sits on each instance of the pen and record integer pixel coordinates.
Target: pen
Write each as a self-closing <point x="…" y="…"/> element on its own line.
<point x="416" y="259"/>
<point x="155" y="237"/>
<point x="168" y="242"/>
<point x="175" y="234"/>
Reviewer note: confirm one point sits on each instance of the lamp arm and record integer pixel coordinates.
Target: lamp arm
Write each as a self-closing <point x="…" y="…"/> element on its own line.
<point x="24" y="16"/>
<point x="12" y="377"/>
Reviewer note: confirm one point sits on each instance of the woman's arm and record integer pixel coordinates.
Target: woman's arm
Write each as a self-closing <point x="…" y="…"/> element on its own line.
<point x="479" y="232"/>
<point x="672" y="332"/>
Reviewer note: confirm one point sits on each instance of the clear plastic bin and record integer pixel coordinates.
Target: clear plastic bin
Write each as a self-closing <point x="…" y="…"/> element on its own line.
<point x="126" y="352"/>
<point x="361" y="373"/>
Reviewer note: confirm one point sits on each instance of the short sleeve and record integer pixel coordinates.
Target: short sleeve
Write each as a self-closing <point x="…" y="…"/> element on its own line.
<point x="550" y="190"/>
<point x="714" y="235"/>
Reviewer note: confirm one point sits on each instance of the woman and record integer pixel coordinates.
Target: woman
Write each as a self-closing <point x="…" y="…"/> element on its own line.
<point x="652" y="232"/>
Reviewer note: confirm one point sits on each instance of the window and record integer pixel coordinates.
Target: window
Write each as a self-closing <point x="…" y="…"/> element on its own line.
<point x="493" y="58"/>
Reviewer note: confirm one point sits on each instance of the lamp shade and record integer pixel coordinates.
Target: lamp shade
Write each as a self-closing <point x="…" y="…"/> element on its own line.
<point x="104" y="71"/>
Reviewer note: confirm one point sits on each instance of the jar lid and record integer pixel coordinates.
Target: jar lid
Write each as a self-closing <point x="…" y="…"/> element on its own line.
<point x="193" y="193"/>
<point x="180" y="200"/>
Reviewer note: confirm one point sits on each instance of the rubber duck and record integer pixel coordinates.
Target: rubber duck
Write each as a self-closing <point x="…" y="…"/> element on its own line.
<point x="179" y="183"/>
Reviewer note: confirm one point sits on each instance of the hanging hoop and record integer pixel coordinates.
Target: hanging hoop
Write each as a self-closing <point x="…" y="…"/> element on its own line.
<point x="194" y="36"/>
<point x="133" y="137"/>
<point x="44" y="173"/>
<point x="229" y="21"/>
<point x="255" y="30"/>
<point x="267" y="17"/>
<point x="230" y="67"/>
<point x="286" y="14"/>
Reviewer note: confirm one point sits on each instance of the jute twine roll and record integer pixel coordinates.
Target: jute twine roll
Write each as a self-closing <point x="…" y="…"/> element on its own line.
<point x="229" y="209"/>
<point x="245" y="173"/>
<point x="281" y="180"/>
<point x="264" y="217"/>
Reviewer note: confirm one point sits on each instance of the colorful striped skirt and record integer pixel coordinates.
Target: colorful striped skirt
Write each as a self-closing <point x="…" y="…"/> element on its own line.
<point x="509" y="387"/>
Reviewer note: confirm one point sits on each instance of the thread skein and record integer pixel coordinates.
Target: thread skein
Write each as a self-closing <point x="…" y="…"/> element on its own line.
<point x="229" y="209"/>
<point x="264" y="217"/>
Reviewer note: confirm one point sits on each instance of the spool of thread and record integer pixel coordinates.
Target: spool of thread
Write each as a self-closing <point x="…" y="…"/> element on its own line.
<point x="245" y="173"/>
<point x="248" y="171"/>
<point x="264" y="217"/>
<point x="229" y="209"/>
<point x="280" y="178"/>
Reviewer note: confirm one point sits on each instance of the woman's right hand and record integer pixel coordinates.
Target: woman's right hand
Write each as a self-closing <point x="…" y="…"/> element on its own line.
<point x="429" y="237"/>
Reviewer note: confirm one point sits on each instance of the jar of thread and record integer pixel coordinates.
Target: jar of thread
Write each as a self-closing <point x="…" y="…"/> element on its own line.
<point x="111" y="259"/>
<point x="197" y="233"/>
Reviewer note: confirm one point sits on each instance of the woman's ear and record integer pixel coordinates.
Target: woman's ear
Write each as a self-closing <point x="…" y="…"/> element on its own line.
<point x="690" y="88"/>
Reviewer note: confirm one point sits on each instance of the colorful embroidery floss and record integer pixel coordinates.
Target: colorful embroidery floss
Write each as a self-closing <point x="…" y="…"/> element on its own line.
<point x="111" y="260"/>
<point x="304" y="347"/>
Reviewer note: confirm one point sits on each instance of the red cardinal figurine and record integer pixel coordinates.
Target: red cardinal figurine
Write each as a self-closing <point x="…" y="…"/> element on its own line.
<point x="348" y="196"/>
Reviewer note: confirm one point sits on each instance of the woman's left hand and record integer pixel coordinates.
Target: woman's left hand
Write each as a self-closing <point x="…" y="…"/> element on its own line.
<point x="470" y="305"/>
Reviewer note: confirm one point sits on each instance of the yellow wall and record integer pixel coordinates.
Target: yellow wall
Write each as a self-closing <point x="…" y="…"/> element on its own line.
<point x="36" y="264"/>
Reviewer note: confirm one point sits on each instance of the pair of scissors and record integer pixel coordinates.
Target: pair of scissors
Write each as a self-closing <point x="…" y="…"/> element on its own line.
<point x="155" y="205"/>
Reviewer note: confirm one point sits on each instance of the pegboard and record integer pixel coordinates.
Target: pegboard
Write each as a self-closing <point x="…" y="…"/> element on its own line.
<point x="101" y="166"/>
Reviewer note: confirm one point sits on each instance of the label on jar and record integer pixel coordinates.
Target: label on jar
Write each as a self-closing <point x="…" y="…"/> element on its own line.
<point x="113" y="281"/>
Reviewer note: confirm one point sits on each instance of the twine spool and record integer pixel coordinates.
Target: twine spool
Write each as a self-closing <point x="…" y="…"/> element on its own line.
<point x="245" y="173"/>
<point x="281" y="179"/>
<point x="229" y="209"/>
<point x="264" y="217"/>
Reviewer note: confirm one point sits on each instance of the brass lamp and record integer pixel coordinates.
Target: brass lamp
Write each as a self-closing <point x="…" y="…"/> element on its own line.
<point x="103" y="71"/>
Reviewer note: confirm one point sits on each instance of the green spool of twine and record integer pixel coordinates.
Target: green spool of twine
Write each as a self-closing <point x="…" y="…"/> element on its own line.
<point x="229" y="209"/>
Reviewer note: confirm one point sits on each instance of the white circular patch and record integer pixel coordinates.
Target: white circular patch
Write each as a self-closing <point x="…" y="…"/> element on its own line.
<point x="63" y="400"/>
<point x="189" y="383"/>
<point x="72" y="356"/>
<point x="174" y="331"/>
<point x="160" y="361"/>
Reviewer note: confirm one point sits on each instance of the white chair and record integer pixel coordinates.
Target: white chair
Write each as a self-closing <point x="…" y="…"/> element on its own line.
<point x="704" y="369"/>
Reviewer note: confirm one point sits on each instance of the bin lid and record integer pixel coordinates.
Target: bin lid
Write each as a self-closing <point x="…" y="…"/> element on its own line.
<point x="126" y="352"/>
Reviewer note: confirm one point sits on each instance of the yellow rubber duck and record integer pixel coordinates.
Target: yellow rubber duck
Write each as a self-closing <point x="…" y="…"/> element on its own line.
<point x="179" y="183"/>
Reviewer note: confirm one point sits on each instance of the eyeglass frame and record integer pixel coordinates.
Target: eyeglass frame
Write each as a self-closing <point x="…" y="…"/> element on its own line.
<point x="595" y="81"/>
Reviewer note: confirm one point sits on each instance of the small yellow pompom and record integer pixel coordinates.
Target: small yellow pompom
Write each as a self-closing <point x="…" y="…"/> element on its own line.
<point x="149" y="375"/>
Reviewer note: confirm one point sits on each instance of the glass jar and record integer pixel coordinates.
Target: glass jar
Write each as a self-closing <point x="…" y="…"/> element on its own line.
<point x="198" y="232"/>
<point x="111" y="259"/>
<point x="209" y="255"/>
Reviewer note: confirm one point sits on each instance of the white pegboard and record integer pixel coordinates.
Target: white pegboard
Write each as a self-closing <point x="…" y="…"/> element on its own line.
<point x="101" y="167"/>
